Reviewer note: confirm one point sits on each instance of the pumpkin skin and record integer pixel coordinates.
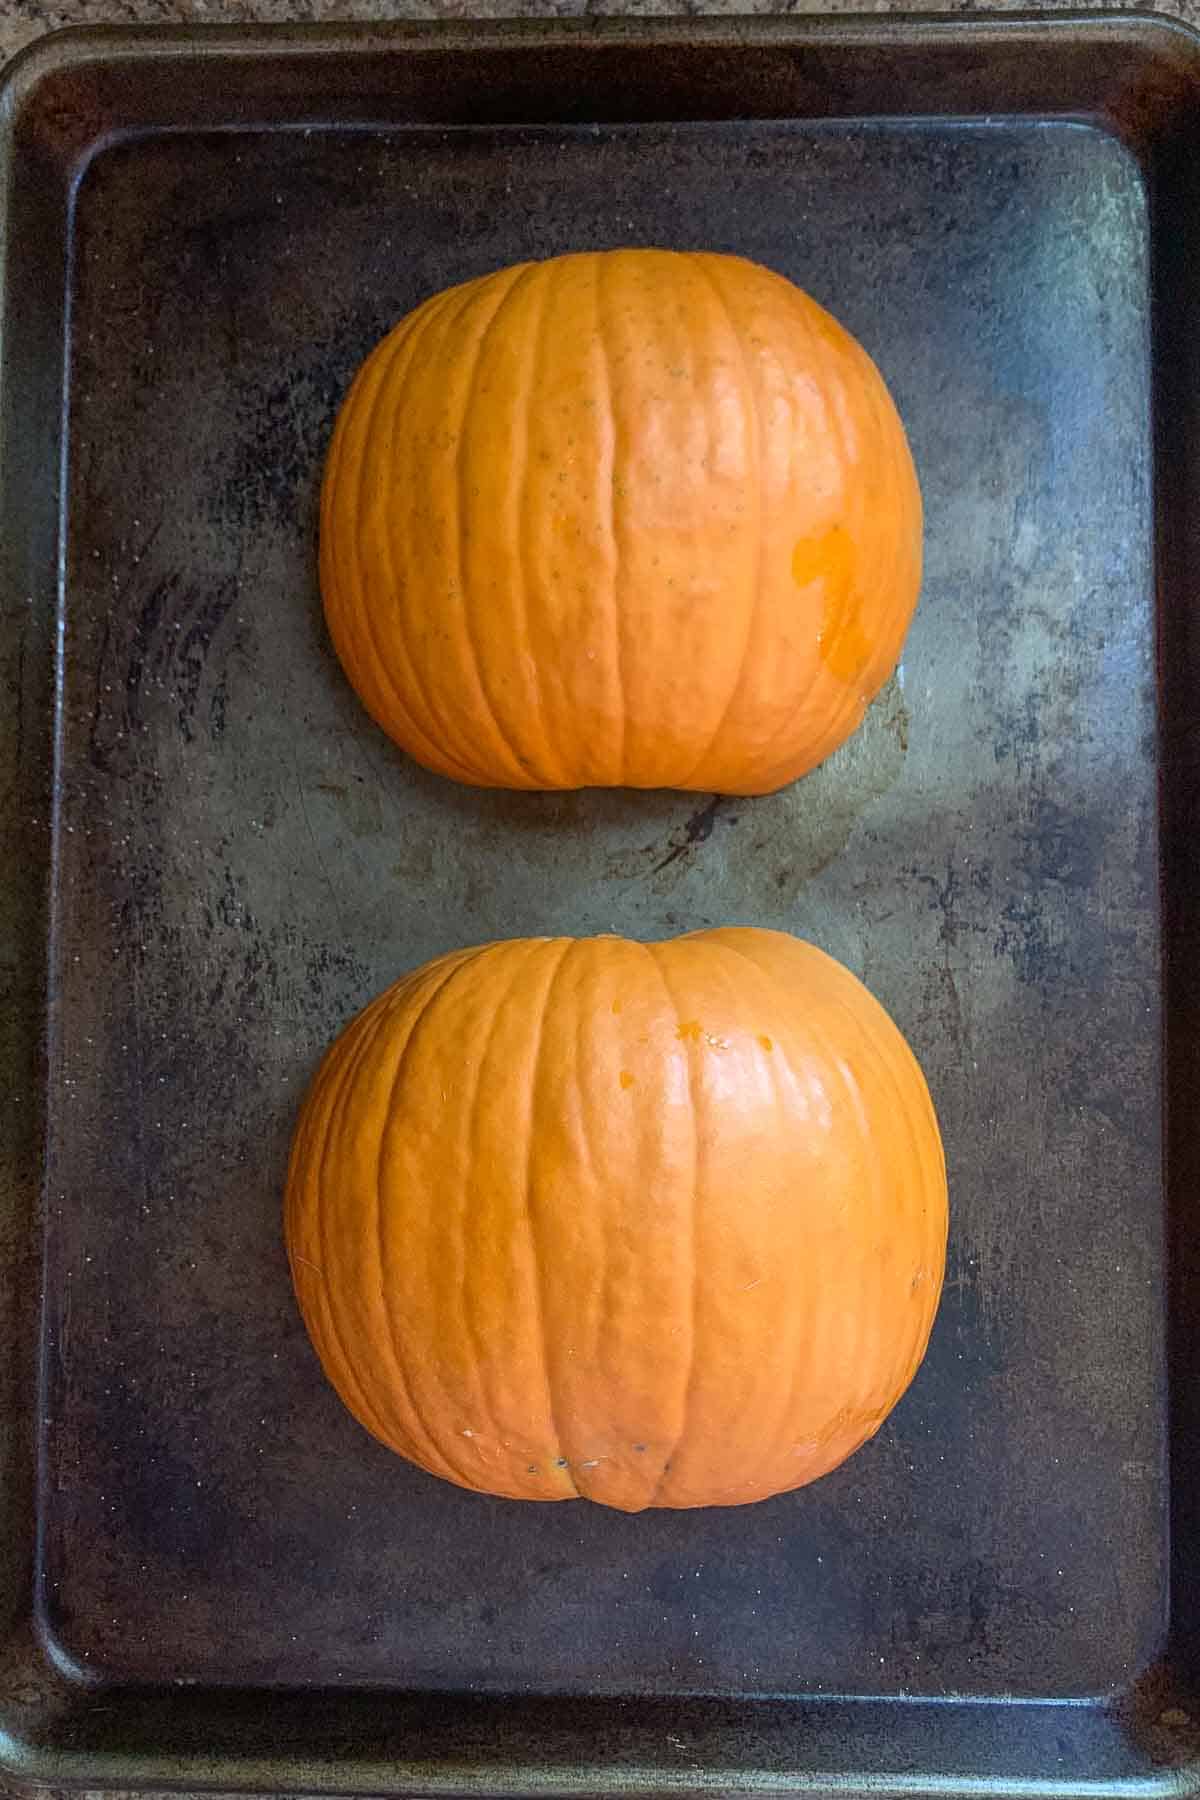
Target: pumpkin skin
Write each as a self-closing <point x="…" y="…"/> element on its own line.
<point x="636" y="518"/>
<point x="651" y="1224"/>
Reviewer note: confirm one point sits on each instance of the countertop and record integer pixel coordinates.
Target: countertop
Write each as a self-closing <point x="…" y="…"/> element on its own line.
<point x="21" y="21"/>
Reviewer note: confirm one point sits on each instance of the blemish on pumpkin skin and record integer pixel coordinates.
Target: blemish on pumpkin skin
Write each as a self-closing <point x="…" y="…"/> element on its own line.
<point x="828" y="558"/>
<point x="627" y="1079"/>
<point x="689" y="1028"/>
<point x="766" y="1042"/>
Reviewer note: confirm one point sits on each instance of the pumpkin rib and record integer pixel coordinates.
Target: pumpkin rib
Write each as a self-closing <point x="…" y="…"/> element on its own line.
<point x="619" y="1480"/>
<point x="330" y="1082"/>
<point x="609" y="482"/>
<point x="873" y="1050"/>
<point x="679" y="1493"/>
<point x="803" y="1349"/>
<point x="772" y="1063"/>
<point x="898" y="473"/>
<point x="411" y="1430"/>
<point x="754" y="785"/>
<point x="660" y="1482"/>
<point x="693" y="1234"/>
<point x="527" y="560"/>
<point x="868" y="679"/>
<point x="534" y="947"/>
<point x="886" y="499"/>
<point x="566" y="945"/>
<point x="343" y="616"/>
<point x="520" y="273"/>
<point x="419" y="1028"/>
<point x="445" y="725"/>
<point x="845" y="716"/>
<point x="393" y="382"/>
<point x="888" y="423"/>
<point x="863" y="1303"/>
<point x="304" y="1166"/>
<point x="909" y="1363"/>
<point x="587" y="1173"/>
<point x="436" y="327"/>
<point x="343" y="1087"/>
<point x="901" y="1053"/>
<point x="397" y="1428"/>
<point x="387" y="360"/>
<point x="704" y="266"/>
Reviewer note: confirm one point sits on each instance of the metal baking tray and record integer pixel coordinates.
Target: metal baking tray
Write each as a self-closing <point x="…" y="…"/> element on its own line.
<point x="209" y="1575"/>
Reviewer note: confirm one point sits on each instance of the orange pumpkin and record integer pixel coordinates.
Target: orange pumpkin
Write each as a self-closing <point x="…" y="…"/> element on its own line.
<point x="637" y="518"/>
<point x="653" y="1224"/>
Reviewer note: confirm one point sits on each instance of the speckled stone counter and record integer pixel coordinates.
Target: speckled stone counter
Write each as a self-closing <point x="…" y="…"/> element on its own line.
<point x="21" y="21"/>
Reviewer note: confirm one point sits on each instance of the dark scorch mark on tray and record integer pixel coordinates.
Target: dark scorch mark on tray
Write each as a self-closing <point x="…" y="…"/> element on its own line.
<point x="173" y="632"/>
<point x="697" y="830"/>
<point x="286" y="414"/>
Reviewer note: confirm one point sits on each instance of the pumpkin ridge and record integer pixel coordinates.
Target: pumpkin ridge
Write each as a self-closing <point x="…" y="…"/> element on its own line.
<point x="419" y="1025"/>
<point x="520" y="274"/>
<point x="903" y="1055"/>
<point x="610" y="411"/>
<point x="406" y="341"/>
<point x="339" y="1086"/>
<point x="867" y="1292"/>
<point x="539" y="1286"/>
<point x="809" y="1338"/>
<point x="881" y="1054"/>
<point x="343" y="1084"/>
<point x="899" y="473"/>
<point x="435" y="326"/>
<point x="888" y="420"/>
<point x="746" y="962"/>
<point x="526" y="555"/>
<point x="812" y="1343"/>
<point x="690" y="1378"/>
<point x="465" y="1311"/>
<point x="852" y="704"/>
<point x="887" y="498"/>
<point x="704" y="267"/>
<point x="390" y="357"/>
<point x="373" y="370"/>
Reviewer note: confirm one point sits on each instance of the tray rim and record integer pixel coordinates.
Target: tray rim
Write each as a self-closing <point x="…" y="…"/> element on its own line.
<point x="32" y="1695"/>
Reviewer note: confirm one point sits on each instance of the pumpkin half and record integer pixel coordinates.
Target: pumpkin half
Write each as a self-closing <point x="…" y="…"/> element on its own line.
<point x="652" y="1224"/>
<point x="635" y="518"/>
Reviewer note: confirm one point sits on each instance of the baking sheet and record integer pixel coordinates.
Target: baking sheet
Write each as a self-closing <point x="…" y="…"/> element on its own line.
<point x="238" y="859"/>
